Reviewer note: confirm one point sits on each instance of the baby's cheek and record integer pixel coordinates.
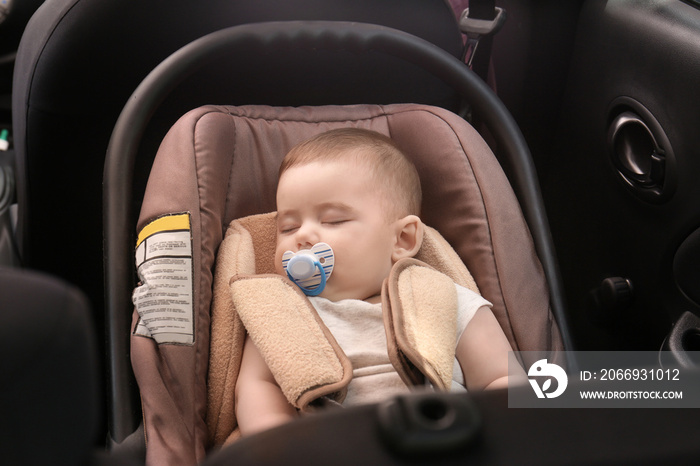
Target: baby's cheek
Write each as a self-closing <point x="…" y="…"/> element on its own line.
<point x="278" y="263"/>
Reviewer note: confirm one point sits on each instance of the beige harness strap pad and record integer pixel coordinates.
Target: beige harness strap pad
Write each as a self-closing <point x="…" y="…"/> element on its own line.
<point x="302" y="355"/>
<point x="437" y="252"/>
<point x="236" y="255"/>
<point x="420" y="317"/>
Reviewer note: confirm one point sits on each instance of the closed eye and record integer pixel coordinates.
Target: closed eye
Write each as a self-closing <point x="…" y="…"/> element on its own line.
<point x="285" y="230"/>
<point x="336" y="222"/>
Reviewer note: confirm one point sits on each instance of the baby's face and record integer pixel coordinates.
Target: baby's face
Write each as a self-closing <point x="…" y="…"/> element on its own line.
<point x="336" y="203"/>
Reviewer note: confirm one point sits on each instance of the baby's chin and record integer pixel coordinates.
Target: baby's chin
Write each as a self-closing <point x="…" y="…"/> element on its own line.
<point x="335" y="295"/>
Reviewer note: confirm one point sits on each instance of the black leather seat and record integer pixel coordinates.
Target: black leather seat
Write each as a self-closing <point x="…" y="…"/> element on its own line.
<point x="49" y="396"/>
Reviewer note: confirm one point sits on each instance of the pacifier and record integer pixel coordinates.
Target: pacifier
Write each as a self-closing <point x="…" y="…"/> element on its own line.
<point x="309" y="269"/>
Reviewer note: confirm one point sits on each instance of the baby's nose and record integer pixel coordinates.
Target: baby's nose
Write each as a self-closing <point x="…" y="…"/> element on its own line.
<point x="307" y="236"/>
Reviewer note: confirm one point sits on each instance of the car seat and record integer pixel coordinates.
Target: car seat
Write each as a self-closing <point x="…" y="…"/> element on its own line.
<point x="486" y="226"/>
<point x="80" y="60"/>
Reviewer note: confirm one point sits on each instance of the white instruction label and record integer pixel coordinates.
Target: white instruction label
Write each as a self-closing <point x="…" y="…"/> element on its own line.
<point x="164" y="299"/>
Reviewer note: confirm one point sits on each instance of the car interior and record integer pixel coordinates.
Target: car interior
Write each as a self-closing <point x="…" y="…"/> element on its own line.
<point x="578" y="121"/>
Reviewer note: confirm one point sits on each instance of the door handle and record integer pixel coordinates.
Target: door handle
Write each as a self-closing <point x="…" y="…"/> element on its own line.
<point x="635" y="152"/>
<point x="640" y="151"/>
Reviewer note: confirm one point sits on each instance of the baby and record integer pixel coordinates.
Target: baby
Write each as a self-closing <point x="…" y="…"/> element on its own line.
<point x="355" y="191"/>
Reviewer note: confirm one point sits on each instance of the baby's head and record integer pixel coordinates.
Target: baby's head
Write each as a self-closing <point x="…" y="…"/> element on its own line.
<point x="354" y="190"/>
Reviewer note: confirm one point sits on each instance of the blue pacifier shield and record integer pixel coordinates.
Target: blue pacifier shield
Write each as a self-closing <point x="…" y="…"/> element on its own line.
<point x="309" y="269"/>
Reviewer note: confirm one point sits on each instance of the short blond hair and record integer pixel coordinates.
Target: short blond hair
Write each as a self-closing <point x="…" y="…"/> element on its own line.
<point x="391" y="170"/>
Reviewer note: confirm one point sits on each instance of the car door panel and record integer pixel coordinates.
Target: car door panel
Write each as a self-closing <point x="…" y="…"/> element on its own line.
<point x="615" y="210"/>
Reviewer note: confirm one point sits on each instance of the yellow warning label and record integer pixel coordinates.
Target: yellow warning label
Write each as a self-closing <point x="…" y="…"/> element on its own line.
<point x="166" y="223"/>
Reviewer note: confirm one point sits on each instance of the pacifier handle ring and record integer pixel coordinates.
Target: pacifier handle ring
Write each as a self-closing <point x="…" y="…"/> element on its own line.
<point x="319" y="288"/>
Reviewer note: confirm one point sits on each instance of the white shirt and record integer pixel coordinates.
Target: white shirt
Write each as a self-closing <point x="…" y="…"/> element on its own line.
<point x="358" y="327"/>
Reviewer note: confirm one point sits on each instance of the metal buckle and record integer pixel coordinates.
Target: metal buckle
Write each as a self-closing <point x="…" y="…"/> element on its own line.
<point x="477" y="28"/>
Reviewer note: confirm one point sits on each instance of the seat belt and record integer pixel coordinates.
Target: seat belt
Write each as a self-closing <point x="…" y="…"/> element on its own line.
<point x="479" y="23"/>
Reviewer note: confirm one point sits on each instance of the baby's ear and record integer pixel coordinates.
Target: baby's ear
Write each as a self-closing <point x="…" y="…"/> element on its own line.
<point x="409" y="237"/>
